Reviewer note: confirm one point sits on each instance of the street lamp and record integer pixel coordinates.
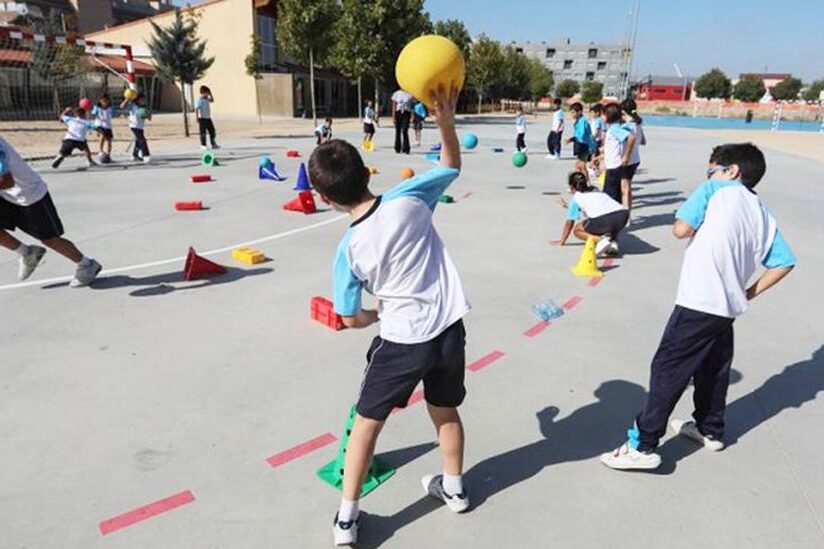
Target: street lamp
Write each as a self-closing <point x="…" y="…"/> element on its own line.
<point x="684" y="89"/>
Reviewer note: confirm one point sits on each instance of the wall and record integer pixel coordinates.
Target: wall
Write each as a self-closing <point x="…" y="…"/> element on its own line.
<point x="275" y="92"/>
<point x="92" y="14"/>
<point x="227" y="26"/>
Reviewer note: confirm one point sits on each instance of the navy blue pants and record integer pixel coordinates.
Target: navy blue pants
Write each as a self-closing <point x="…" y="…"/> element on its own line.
<point x="695" y="346"/>
<point x="553" y="143"/>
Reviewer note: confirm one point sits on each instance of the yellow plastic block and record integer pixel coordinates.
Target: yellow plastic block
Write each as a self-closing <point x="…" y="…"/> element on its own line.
<point x="248" y="255"/>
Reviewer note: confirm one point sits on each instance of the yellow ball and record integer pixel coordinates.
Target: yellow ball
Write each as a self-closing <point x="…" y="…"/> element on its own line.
<point x="427" y="62"/>
<point x="130" y="94"/>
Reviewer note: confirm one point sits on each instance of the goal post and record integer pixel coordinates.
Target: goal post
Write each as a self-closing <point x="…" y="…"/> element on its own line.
<point x="41" y="74"/>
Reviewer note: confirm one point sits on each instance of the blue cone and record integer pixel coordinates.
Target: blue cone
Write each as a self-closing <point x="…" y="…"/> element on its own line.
<point x="303" y="180"/>
<point x="269" y="172"/>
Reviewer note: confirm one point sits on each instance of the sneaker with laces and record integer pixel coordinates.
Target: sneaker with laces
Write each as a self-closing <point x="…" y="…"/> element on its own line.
<point x="30" y="261"/>
<point x="625" y="457"/>
<point x="85" y="274"/>
<point x="602" y="245"/>
<point x="56" y="162"/>
<point x="433" y="485"/>
<point x="613" y="248"/>
<point x="345" y="533"/>
<point x="690" y="430"/>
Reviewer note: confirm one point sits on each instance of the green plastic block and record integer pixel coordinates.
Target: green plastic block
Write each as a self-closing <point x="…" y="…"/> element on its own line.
<point x="446" y="199"/>
<point x="332" y="472"/>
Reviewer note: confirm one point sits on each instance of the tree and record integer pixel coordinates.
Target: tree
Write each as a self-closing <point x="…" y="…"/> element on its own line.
<point x="57" y="64"/>
<point x="303" y="33"/>
<point x="787" y="89"/>
<point x="592" y="92"/>
<point x="455" y="30"/>
<point x="713" y="84"/>
<point x="515" y="73"/>
<point x="485" y="66"/>
<point x="567" y="88"/>
<point x="252" y="63"/>
<point x="179" y="56"/>
<point x="397" y="23"/>
<point x="540" y="80"/>
<point x="750" y="88"/>
<point x="813" y="92"/>
<point x="356" y="52"/>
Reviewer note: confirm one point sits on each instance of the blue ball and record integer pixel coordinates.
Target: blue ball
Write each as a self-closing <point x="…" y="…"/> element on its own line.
<point x="470" y="141"/>
<point x="265" y="161"/>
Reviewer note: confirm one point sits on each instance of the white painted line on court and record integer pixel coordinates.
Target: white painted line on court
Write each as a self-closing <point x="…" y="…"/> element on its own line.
<point x="180" y="258"/>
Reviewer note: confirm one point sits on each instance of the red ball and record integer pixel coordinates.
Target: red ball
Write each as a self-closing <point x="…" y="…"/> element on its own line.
<point x="85" y="103"/>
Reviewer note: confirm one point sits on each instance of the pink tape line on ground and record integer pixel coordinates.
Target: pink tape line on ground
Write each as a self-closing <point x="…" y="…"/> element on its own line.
<point x="485" y="361"/>
<point x="301" y="449"/>
<point x="538" y="328"/>
<point x="146" y="512"/>
<point x="572" y="302"/>
<point x="594" y="281"/>
<point x="467" y="195"/>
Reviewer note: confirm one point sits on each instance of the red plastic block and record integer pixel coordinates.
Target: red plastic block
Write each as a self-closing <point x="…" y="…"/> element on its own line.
<point x="291" y="153"/>
<point x="187" y="206"/>
<point x="200" y="178"/>
<point x="323" y="311"/>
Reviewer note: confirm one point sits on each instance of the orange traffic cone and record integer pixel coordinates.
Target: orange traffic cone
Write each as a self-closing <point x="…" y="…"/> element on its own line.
<point x="305" y="202"/>
<point x="587" y="266"/>
<point x="197" y="266"/>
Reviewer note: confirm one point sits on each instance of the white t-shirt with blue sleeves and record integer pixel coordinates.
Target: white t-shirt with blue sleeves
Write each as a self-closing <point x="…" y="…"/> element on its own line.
<point x="736" y="236"/>
<point x="520" y="124"/>
<point x="76" y="128"/>
<point x="593" y="204"/>
<point x="204" y="108"/>
<point x="28" y="186"/>
<point x="557" y="121"/>
<point x="135" y="120"/>
<point x="102" y="117"/>
<point x="394" y="253"/>
<point x="614" y="143"/>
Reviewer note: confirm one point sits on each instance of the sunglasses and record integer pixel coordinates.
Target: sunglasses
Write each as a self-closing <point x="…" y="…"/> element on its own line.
<point x="716" y="169"/>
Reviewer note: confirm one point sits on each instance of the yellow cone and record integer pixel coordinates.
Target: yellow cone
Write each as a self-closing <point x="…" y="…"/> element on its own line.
<point x="587" y="266"/>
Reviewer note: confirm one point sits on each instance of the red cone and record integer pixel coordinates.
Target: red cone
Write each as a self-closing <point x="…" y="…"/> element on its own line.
<point x="305" y="202"/>
<point x="197" y="266"/>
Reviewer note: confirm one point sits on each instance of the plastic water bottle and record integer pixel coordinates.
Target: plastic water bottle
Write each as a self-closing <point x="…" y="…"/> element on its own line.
<point x="547" y="310"/>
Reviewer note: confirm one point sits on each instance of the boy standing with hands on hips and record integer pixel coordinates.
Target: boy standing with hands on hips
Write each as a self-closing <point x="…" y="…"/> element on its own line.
<point x="393" y="251"/>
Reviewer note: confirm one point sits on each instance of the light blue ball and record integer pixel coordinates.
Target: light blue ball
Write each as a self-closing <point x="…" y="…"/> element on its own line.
<point x="470" y="141"/>
<point x="265" y="161"/>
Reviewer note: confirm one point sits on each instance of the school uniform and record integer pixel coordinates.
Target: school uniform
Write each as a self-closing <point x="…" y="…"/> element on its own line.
<point x="137" y="124"/>
<point x="75" y="136"/>
<point x="556" y="129"/>
<point x="635" y="155"/>
<point x="604" y="215"/>
<point x="615" y="140"/>
<point x="204" y="121"/>
<point x="369" y="121"/>
<point x="322" y="132"/>
<point x="520" y="132"/>
<point x="103" y="121"/>
<point x="583" y="145"/>
<point x="402" y="116"/>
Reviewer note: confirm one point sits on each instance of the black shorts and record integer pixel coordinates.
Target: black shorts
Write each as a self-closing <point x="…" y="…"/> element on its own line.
<point x="581" y="151"/>
<point x="368" y="128"/>
<point x="610" y="223"/>
<point x="612" y="183"/>
<point x="39" y="220"/>
<point x="629" y="170"/>
<point x="70" y="144"/>
<point x="105" y="132"/>
<point x="417" y="122"/>
<point x="394" y="370"/>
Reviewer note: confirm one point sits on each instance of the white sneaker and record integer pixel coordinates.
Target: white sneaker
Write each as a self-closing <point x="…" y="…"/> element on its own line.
<point x="602" y="245"/>
<point x="30" y="261"/>
<point x="690" y="430"/>
<point x="147" y="159"/>
<point x="345" y="533"/>
<point x="551" y="157"/>
<point x="613" y="248"/>
<point x="204" y="148"/>
<point x="85" y="274"/>
<point x="625" y="457"/>
<point x="433" y="485"/>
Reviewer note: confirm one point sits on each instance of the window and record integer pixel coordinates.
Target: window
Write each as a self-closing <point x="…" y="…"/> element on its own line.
<point x="590" y="76"/>
<point x="602" y="65"/>
<point x="266" y="29"/>
<point x="568" y="63"/>
<point x="550" y="52"/>
<point x="592" y="53"/>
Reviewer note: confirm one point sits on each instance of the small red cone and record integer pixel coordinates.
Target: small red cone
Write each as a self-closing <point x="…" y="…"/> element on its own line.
<point x="305" y="202"/>
<point x="197" y="266"/>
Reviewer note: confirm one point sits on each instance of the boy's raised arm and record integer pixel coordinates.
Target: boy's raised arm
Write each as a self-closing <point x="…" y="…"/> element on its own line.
<point x="443" y="111"/>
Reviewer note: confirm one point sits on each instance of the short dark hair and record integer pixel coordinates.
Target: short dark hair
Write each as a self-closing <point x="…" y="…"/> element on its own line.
<point x="612" y="112"/>
<point x="81" y="112"/>
<point x="629" y="106"/>
<point x="595" y="107"/>
<point x="557" y="102"/>
<point x="749" y="159"/>
<point x="205" y="89"/>
<point x="328" y="119"/>
<point x="577" y="107"/>
<point x="578" y="181"/>
<point x="337" y="171"/>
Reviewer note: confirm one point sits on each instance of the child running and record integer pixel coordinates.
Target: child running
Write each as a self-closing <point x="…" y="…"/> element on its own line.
<point x="393" y="251"/>
<point x="75" y="138"/>
<point x="25" y="204"/>
<point x="584" y="145"/>
<point x="520" y="130"/>
<point x="370" y="120"/>
<point x="618" y="144"/>
<point x="732" y="235"/>
<point x="605" y="216"/>
<point x="204" y="118"/>
<point x="137" y="121"/>
<point x="323" y="133"/>
<point x="556" y="129"/>
<point x="103" y="113"/>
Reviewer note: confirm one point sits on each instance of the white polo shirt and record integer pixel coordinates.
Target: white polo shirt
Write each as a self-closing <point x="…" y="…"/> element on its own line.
<point x="593" y="204"/>
<point x="28" y="186"/>
<point x="614" y="143"/>
<point x="394" y="253"/>
<point x="76" y="128"/>
<point x="735" y="237"/>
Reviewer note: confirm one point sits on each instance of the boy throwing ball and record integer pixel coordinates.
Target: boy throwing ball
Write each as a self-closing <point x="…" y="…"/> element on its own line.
<point x="25" y="204"/>
<point x="393" y="251"/>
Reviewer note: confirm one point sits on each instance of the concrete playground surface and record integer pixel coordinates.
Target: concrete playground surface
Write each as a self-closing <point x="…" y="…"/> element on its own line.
<point x="146" y="411"/>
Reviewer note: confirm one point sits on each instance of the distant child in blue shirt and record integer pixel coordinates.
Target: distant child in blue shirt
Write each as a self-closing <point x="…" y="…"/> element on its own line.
<point x="103" y="114"/>
<point x="599" y="128"/>
<point x="520" y="130"/>
<point x="732" y="236"/>
<point x="138" y="114"/>
<point x="584" y="145"/>
<point x="75" y="138"/>
<point x="392" y="251"/>
<point x="419" y="114"/>
<point x="204" y="118"/>
<point x="323" y="133"/>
